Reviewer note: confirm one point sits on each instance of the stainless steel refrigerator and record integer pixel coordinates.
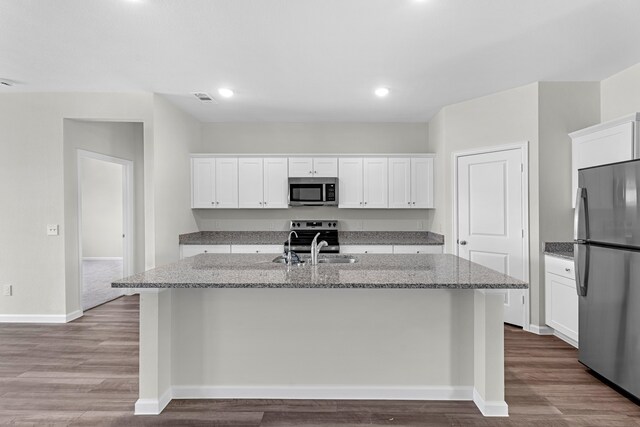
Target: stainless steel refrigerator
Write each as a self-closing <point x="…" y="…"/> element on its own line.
<point x="607" y="257"/>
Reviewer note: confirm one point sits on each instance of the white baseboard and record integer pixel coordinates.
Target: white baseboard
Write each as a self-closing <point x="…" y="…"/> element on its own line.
<point x="102" y="258"/>
<point x="565" y="338"/>
<point x="491" y="408"/>
<point x="153" y="406"/>
<point x="324" y="392"/>
<point x="40" y="318"/>
<point x="541" y="330"/>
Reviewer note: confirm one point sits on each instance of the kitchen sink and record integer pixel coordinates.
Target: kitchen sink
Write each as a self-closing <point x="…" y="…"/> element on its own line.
<point x="322" y="259"/>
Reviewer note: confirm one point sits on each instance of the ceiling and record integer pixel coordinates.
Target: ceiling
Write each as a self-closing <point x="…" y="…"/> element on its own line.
<point x="313" y="60"/>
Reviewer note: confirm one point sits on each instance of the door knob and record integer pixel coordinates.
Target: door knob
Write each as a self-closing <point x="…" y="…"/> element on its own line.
<point x="463" y="242"/>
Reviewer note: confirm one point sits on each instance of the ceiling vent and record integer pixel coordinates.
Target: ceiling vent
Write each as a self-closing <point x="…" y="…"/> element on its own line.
<point x="6" y="82"/>
<point x="204" y="97"/>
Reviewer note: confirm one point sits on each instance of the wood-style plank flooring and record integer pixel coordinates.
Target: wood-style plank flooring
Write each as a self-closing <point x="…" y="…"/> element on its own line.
<point x="86" y="373"/>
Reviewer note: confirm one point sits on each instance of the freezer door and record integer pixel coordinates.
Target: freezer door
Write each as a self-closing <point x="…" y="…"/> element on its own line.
<point x="609" y="313"/>
<point x="611" y="202"/>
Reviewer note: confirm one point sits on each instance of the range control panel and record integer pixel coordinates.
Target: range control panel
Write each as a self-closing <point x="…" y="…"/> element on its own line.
<point x="300" y="224"/>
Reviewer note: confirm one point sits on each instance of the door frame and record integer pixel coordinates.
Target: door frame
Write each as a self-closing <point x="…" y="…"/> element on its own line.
<point x="524" y="153"/>
<point x="127" y="212"/>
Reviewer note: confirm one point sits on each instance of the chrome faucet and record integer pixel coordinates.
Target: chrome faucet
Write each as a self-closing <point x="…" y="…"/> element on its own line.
<point x="289" y="241"/>
<point x="315" y="249"/>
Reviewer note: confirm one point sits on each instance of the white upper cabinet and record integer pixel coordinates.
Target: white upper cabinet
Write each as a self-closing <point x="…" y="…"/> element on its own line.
<point x="376" y="183"/>
<point x="226" y="183"/>
<point x="202" y="182"/>
<point x="610" y="142"/>
<point x="263" y="183"/>
<point x="364" y="183"/>
<point x="250" y="175"/>
<point x="411" y="182"/>
<point x="400" y="182"/>
<point x="214" y="183"/>
<point x="350" y="183"/>
<point x="422" y="182"/>
<point x="318" y="167"/>
<point x="275" y="183"/>
<point x="325" y="167"/>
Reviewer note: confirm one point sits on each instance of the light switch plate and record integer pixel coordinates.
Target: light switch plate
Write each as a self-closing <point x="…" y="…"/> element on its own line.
<point x="52" y="230"/>
<point x="7" y="290"/>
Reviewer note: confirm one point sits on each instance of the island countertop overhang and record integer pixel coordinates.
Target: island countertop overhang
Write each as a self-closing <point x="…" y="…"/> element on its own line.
<point x="371" y="271"/>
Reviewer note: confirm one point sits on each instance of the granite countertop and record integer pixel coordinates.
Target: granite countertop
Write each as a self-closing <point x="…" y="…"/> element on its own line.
<point x="279" y="237"/>
<point x="559" y="249"/>
<point x="370" y="271"/>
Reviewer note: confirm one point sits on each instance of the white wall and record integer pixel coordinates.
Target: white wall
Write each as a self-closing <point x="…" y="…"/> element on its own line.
<point x="300" y="138"/>
<point x="32" y="179"/>
<point x="102" y="204"/>
<point x="176" y="135"/>
<point x="621" y="94"/>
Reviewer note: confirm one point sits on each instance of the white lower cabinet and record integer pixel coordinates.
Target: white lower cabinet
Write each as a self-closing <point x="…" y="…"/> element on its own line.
<point x="417" y="249"/>
<point x="561" y="298"/>
<point x="257" y="249"/>
<point x="191" y="250"/>
<point x="366" y="249"/>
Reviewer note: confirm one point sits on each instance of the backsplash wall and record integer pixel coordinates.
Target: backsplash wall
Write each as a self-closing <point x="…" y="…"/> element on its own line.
<point x="305" y="138"/>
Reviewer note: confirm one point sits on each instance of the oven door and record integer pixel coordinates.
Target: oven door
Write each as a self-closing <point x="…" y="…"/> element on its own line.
<point x="306" y="192"/>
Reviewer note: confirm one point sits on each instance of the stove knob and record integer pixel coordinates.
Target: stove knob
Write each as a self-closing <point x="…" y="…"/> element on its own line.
<point x="298" y="224"/>
<point x="334" y="224"/>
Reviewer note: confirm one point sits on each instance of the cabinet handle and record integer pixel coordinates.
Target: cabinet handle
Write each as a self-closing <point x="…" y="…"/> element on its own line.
<point x="365" y="203"/>
<point x="205" y="251"/>
<point x="408" y="203"/>
<point x="414" y="203"/>
<point x="265" y="203"/>
<point x="257" y="252"/>
<point x="311" y="172"/>
<point x="315" y="171"/>
<point x="360" y="202"/>
<point x="417" y="252"/>
<point x="567" y="269"/>
<point x="366" y="252"/>
<point x="213" y="203"/>
<point x="260" y="202"/>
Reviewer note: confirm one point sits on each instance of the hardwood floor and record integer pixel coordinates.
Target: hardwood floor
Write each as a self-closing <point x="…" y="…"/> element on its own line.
<point x="86" y="373"/>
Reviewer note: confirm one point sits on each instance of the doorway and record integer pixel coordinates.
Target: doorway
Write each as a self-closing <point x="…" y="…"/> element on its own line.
<point x="491" y="217"/>
<point x="105" y="206"/>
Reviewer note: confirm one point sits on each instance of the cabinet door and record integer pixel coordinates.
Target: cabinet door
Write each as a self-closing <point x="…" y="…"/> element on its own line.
<point x="376" y="183"/>
<point x="350" y="183"/>
<point x="300" y="167"/>
<point x="275" y="183"/>
<point x="203" y="182"/>
<point x="366" y="249"/>
<point x="250" y="183"/>
<point x="422" y="182"/>
<point x="561" y="305"/>
<point x="417" y="249"/>
<point x="325" y="167"/>
<point x="599" y="148"/>
<point x="226" y="183"/>
<point x="399" y="183"/>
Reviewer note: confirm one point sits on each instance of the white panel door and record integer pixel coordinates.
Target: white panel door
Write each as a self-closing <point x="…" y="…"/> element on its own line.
<point x="350" y="178"/>
<point x="250" y="178"/>
<point x="400" y="182"/>
<point x="376" y="183"/>
<point x="300" y="167"/>
<point x="490" y="218"/>
<point x="325" y="167"/>
<point x="422" y="182"/>
<point x="226" y="182"/>
<point x="203" y="182"/>
<point x="599" y="148"/>
<point x="275" y="183"/>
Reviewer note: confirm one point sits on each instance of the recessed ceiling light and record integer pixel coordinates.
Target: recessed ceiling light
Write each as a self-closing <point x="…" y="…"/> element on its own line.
<point x="381" y="92"/>
<point x="225" y="92"/>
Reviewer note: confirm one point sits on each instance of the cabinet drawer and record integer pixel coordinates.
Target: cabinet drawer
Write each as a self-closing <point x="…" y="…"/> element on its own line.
<point x="257" y="249"/>
<point x="561" y="267"/>
<point x="417" y="249"/>
<point x="366" y="249"/>
<point x="191" y="250"/>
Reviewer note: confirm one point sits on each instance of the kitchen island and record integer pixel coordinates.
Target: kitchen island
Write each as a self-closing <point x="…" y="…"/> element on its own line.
<point x="426" y="327"/>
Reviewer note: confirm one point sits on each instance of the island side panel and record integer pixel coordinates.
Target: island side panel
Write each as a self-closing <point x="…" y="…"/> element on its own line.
<point x="323" y="343"/>
<point x="489" y="352"/>
<point x="155" y="351"/>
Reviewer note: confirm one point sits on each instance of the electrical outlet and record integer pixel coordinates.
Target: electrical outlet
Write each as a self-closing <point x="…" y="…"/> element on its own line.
<point x="7" y="290"/>
<point x="52" y="230"/>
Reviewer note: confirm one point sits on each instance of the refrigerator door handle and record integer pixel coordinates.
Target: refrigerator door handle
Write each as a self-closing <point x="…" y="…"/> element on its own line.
<point x="581" y="254"/>
<point x="581" y="214"/>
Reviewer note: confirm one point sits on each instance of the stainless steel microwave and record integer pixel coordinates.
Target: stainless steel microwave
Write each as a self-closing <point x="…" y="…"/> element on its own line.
<point x="313" y="191"/>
